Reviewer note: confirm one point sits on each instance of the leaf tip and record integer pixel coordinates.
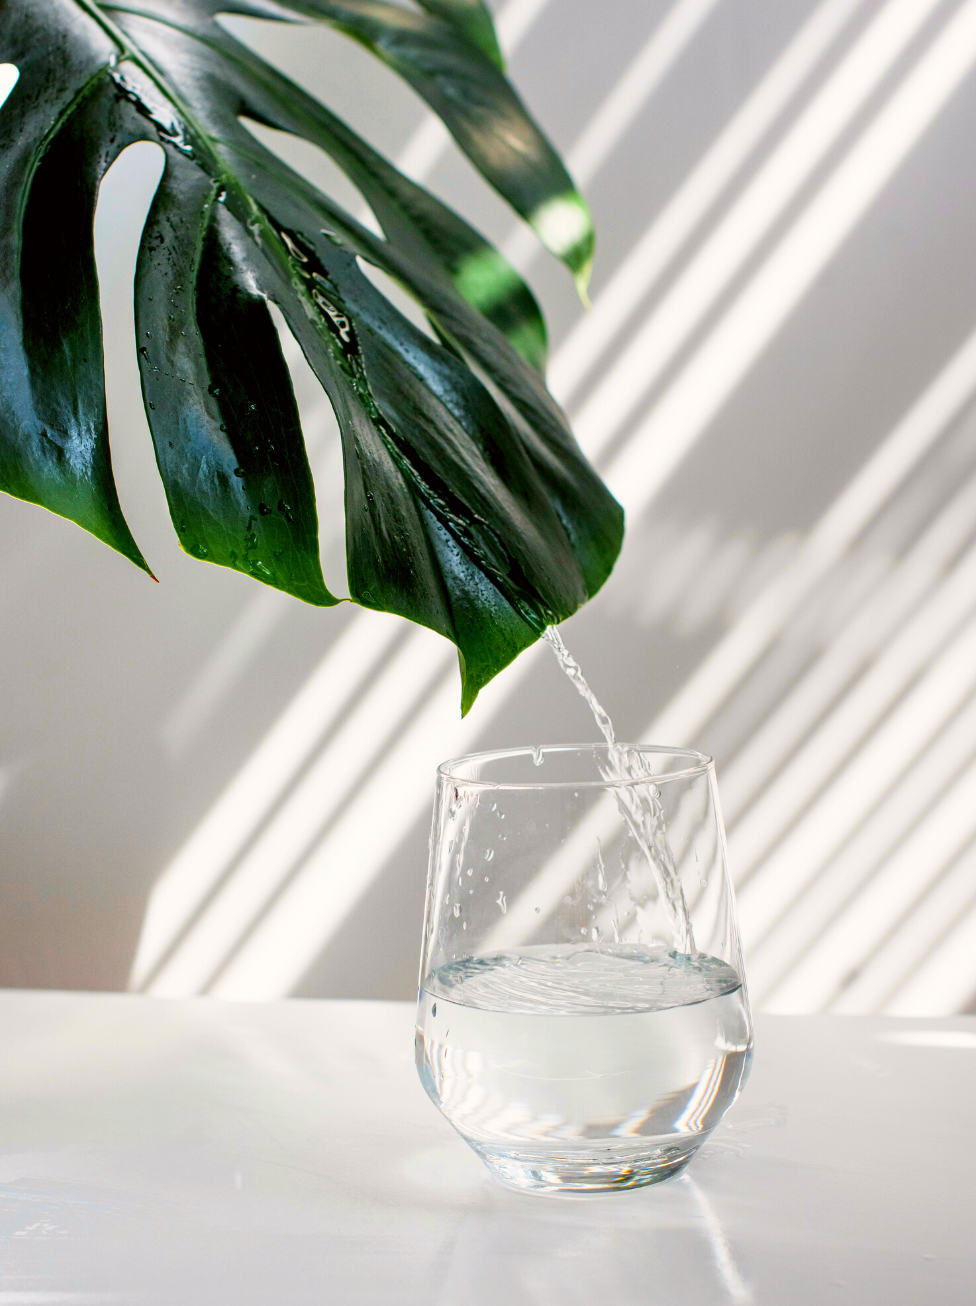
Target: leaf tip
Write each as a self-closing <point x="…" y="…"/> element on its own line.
<point x="125" y="544"/>
<point x="565" y="227"/>
<point x="469" y="690"/>
<point x="582" y="279"/>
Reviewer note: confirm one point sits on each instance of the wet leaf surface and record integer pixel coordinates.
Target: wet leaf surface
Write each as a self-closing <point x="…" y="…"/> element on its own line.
<point x="469" y="507"/>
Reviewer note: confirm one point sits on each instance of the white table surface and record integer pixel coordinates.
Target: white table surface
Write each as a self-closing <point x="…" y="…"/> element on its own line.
<point x="193" y="1152"/>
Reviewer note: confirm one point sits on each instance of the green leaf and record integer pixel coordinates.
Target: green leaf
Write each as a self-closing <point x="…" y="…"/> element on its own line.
<point x="54" y="446"/>
<point x="473" y="19"/>
<point x="469" y="508"/>
<point x="411" y="217"/>
<point x="478" y="106"/>
<point x="224" y="419"/>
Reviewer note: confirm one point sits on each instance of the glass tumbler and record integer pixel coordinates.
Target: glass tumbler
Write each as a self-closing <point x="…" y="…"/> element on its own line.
<point x="583" y="1020"/>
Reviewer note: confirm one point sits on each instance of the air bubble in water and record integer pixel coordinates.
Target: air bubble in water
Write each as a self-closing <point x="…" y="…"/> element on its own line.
<point x="601" y="873"/>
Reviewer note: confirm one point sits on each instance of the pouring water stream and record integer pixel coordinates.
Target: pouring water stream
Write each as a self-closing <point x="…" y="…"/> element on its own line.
<point x="640" y="805"/>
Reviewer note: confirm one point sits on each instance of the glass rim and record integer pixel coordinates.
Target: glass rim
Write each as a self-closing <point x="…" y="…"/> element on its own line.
<point x="701" y="765"/>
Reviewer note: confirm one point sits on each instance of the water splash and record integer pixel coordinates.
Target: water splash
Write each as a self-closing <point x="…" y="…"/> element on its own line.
<point x="640" y="805"/>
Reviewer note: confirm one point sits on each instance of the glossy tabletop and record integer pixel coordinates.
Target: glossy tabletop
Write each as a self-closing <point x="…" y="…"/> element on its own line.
<point x="192" y="1152"/>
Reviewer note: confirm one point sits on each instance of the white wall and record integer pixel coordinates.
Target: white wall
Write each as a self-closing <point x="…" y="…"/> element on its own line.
<point x="826" y="283"/>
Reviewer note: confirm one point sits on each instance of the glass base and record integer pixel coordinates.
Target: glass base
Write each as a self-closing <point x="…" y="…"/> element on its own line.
<point x="589" y="1170"/>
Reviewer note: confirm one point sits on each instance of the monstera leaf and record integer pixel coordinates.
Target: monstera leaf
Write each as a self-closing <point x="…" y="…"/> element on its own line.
<point x="469" y="507"/>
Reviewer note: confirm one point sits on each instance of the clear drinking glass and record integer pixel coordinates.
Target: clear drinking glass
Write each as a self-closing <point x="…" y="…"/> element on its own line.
<point x="583" y="1021"/>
